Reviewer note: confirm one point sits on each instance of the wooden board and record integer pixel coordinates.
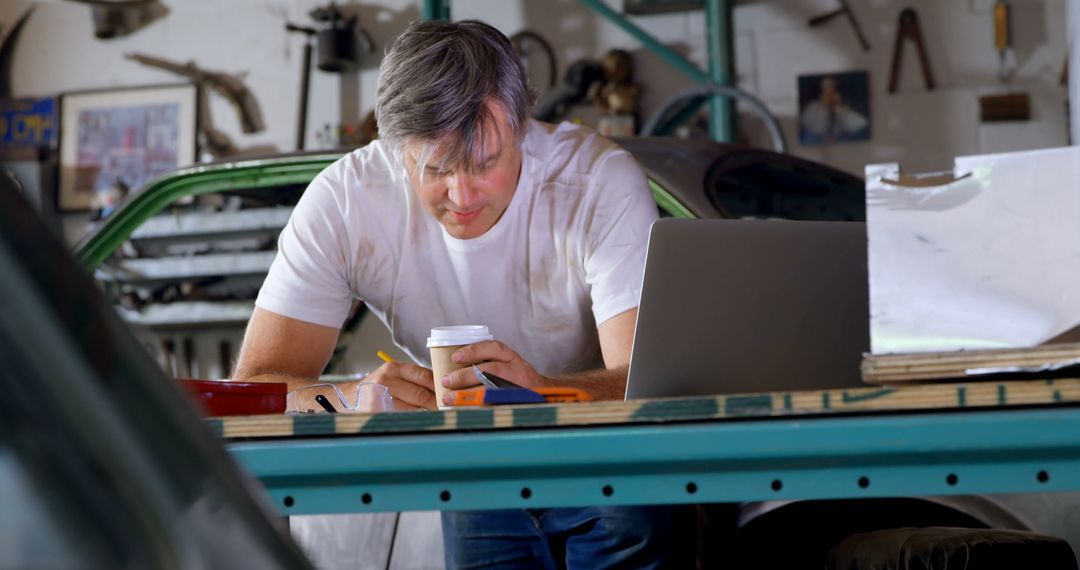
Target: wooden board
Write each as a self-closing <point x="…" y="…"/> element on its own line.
<point x="777" y="404"/>
<point x="967" y="365"/>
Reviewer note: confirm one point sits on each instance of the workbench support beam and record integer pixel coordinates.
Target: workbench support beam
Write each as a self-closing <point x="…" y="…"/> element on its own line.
<point x="957" y="453"/>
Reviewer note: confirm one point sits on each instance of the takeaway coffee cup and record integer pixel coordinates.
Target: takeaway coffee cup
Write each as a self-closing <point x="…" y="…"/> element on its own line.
<point x="443" y="342"/>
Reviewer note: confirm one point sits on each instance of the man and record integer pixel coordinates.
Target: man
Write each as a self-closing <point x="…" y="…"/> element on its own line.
<point x="467" y="212"/>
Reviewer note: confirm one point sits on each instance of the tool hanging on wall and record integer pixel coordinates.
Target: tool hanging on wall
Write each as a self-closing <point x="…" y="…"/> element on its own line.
<point x="229" y="86"/>
<point x="225" y="354"/>
<point x="191" y="358"/>
<point x="908" y="29"/>
<point x="843" y="10"/>
<point x="305" y="80"/>
<point x="337" y="39"/>
<point x="1003" y="40"/>
<point x="337" y="52"/>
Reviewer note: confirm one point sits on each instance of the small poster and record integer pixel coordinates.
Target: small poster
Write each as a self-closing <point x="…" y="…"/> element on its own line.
<point x="834" y="108"/>
<point x="121" y="140"/>
<point x="28" y="123"/>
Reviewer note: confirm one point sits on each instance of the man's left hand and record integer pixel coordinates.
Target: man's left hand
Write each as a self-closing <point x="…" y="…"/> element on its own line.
<point x="494" y="357"/>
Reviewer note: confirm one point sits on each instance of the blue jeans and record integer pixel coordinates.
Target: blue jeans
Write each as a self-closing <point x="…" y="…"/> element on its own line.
<point x="591" y="537"/>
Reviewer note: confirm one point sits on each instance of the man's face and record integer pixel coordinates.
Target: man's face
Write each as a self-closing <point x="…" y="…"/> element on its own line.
<point x="466" y="203"/>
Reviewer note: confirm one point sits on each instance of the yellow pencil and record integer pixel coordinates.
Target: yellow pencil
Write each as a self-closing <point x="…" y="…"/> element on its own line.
<point x="385" y="357"/>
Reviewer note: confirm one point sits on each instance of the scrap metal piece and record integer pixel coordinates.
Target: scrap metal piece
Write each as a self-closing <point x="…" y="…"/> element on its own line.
<point x="227" y="85"/>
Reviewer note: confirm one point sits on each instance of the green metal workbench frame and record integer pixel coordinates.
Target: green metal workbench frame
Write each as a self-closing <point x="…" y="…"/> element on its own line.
<point x="860" y="456"/>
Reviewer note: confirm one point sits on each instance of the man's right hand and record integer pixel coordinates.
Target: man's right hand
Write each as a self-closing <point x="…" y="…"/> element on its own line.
<point x="280" y="349"/>
<point x="411" y="386"/>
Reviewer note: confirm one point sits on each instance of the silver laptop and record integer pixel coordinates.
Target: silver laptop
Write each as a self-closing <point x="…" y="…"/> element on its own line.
<point x="743" y="306"/>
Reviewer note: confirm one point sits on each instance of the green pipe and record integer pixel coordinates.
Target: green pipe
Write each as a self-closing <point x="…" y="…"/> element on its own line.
<point x="675" y="59"/>
<point x="721" y="109"/>
<point x="436" y="10"/>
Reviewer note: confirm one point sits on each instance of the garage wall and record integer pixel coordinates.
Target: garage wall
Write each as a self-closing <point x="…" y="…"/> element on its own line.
<point x="920" y="129"/>
<point x="773" y="46"/>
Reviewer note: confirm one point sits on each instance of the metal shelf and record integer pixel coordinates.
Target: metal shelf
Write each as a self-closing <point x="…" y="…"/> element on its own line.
<point x="189" y="267"/>
<point x="209" y="226"/>
<point x="190" y="314"/>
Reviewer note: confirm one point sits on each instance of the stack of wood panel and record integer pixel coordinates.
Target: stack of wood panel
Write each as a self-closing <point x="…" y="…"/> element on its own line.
<point x="1041" y="361"/>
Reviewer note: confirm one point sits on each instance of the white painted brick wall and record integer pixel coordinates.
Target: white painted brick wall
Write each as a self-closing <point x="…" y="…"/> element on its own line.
<point x="773" y="46"/>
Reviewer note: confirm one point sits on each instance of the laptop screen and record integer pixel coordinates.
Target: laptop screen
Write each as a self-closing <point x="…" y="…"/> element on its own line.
<point x="746" y="306"/>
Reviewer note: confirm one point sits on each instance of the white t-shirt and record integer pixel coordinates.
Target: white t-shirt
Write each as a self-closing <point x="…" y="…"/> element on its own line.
<point x="568" y="252"/>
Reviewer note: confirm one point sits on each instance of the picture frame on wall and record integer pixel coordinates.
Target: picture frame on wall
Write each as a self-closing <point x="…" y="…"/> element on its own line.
<point x="114" y="141"/>
<point x="834" y="108"/>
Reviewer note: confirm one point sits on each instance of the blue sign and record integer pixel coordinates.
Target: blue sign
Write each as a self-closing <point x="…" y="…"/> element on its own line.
<point x="28" y="123"/>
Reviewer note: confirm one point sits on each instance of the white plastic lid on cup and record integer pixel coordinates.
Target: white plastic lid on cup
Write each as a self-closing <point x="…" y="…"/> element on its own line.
<point x="458" y="335"/>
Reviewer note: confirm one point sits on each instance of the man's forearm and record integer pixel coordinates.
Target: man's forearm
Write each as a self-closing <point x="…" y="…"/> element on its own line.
<point x="605" y="384"/>
<point x="294" y="382"/>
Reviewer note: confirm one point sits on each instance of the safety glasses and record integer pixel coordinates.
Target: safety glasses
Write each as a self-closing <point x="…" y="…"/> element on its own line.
<point x="329" y="397"/>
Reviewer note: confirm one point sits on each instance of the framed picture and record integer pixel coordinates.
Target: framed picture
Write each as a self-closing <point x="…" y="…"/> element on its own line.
<point x="114" y="141"/>
<point x="834" y="108"/>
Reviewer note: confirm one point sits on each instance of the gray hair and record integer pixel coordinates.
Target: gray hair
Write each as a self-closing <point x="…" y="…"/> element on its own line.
<point x="437" y="83"/>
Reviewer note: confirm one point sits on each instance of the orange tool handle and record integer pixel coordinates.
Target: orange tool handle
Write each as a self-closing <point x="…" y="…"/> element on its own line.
<point x="563" y="394"/>
<point x="1002" y="41"/>
<point x="475" y="396"/>
<point x="471" y="397"/>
